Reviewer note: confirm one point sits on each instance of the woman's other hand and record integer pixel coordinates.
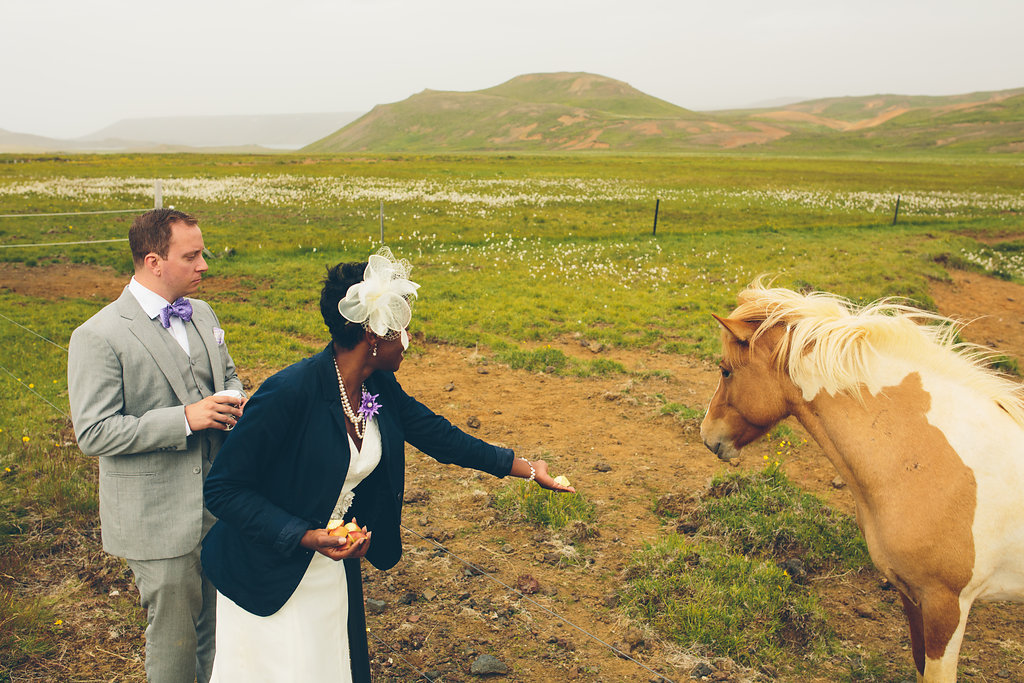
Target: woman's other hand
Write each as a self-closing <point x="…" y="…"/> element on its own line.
<point x="335" y="547"/>
<point x="546" y="481"/>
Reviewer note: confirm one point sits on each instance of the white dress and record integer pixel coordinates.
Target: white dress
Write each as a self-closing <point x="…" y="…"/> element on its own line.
<point x="307" y="639"/>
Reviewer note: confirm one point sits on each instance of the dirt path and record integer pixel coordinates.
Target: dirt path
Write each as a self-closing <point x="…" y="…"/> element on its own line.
<point x="608" y="436"/>
<point x="995" y="309"/>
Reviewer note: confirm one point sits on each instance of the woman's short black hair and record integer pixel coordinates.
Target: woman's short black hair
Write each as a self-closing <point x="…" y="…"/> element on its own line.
<point x="339" y="278"/>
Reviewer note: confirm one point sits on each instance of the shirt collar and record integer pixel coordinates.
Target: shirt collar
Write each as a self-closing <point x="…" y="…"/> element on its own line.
<point x="151" y="302"/>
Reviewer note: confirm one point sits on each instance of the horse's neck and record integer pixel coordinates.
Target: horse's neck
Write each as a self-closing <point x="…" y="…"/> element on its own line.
<point x="930" y="464"/>
<point x="846" y="447"/>
<point x="881" y="441"/>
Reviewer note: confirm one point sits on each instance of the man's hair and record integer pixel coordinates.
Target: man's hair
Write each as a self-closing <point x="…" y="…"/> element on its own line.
<point x="151" y="232"/>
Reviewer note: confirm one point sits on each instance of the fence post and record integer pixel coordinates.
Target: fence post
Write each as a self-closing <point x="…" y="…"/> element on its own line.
<point x="158" y="194"/>
<point x="382" y="222"/>
<point x="897" y="214"/>
<point x="655" y="230"/>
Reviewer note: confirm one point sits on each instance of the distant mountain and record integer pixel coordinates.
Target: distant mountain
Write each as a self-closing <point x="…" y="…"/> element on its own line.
<point x="974" y="122"/>
<point x="581" y="111"/>
<point x="239" y="134"/>
<point x="568" y="112"/>
<point x="770" y="104"/>
<point x="285" y="131"/>
<point x="25" y="142"/>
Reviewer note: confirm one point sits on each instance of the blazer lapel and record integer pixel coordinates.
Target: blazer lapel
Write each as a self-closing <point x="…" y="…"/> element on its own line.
<point x="205" y="329"/>
<point x="145" y="330"/>
<point x="332" y="394"/>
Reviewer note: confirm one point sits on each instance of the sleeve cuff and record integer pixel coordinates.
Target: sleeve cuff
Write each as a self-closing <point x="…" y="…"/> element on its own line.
<point x="506" y="457"/>
<point x="290" y="535"/>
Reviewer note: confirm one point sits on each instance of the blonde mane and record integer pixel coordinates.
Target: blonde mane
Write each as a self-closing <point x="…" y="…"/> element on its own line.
<point x="830" y="341"/>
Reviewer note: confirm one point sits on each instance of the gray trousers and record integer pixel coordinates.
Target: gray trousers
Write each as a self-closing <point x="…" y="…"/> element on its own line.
<point x="181" y="611"/>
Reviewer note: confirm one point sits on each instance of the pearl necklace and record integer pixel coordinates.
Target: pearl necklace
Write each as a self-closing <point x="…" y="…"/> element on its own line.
<point x="358" y="421"/>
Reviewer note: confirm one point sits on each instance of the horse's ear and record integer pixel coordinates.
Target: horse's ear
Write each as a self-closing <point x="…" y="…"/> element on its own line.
<point x="741" y="330"/>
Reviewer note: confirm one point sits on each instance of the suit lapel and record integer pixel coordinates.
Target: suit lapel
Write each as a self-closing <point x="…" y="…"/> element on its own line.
<point x="147" y="333"/>
<point x="205" y="329"/>
<point x="332" y="394"/>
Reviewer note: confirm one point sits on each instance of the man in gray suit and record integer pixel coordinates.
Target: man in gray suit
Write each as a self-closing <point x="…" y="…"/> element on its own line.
<point x="143" y="374"/>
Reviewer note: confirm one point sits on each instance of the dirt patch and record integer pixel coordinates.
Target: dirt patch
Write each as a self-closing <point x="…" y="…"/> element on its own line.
<point x="76" y="281"/>
<point x="570" y="120"/>
<point x="62" y="281"/>
<point x="802" y="117"/>
<point x="835" y="124"/>
<point x="649" y="128"/>
<point x="887" y="115"/>
<point x="995" y="309"/>
<point x="517" y="133"/>
<point x="964" y="106"/>
<point x="587" y="141"/>
<point x="764" y="134"/>
<point x="607" y="434"/>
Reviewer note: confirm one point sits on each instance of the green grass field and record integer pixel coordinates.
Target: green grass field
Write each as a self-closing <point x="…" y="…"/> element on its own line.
<point x="510" y="250"/>
<point x="523" y="248"/>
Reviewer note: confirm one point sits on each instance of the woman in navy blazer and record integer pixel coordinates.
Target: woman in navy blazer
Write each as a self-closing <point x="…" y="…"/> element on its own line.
<point x="279" y="478"/>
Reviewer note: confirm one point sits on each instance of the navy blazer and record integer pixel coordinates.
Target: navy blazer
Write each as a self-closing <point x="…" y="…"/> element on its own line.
<point x="280" y="472"/>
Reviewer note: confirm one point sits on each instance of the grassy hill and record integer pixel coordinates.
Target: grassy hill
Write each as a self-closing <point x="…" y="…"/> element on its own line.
<point x="563" y="111"/>
<point x="587" y="91"/>
<point x="580" y="111"/>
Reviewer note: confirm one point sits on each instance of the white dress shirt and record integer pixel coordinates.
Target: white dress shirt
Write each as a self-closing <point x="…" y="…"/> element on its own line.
<point x="152" y="303"/>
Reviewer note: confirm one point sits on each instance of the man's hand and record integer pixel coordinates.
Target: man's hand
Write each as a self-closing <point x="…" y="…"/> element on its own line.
<point x="214" y="412"/>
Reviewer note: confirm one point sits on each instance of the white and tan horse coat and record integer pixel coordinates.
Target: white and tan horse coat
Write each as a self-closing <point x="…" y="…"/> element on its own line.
<point x="930" y="442"/>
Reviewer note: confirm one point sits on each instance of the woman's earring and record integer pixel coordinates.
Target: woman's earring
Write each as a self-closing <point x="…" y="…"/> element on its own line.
<point x="374" y="351"/>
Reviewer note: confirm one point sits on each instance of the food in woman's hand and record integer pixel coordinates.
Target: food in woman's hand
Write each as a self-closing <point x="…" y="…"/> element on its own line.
<point x="562" y="481"/>
<point x="350" y="531"/>
<point x="355" y="532"/>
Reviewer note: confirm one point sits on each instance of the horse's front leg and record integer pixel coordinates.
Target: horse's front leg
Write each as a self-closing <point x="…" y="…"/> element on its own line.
<point x="937" y="627"/>
<point x="913" y="613"/>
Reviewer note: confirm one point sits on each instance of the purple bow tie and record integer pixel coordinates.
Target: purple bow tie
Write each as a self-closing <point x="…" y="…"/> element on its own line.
<point x="181" y="308"/>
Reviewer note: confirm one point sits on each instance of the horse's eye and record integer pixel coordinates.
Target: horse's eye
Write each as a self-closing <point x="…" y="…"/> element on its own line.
<point x="726" y="373"/>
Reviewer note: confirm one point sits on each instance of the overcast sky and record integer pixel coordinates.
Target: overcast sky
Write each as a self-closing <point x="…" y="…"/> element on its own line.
<point x="69" y="68"/>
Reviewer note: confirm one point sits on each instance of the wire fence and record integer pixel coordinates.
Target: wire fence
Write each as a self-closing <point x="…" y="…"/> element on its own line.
<point x="158" y="203"/>
<point x="50" y="341"/>
<point x="69" y="213"/>
<point x="57" y="244"/>
<point x="29" y="389"/>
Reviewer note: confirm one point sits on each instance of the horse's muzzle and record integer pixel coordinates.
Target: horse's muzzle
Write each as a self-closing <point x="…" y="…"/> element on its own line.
<point x="724" y="451"/>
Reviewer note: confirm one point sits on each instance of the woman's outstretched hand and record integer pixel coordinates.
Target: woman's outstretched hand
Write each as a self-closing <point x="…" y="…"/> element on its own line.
<point x="546" y="481"/>
<point x="335" y="547"/>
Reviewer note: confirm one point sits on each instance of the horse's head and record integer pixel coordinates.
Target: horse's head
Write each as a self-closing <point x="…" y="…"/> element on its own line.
<point x="753" y="392"/>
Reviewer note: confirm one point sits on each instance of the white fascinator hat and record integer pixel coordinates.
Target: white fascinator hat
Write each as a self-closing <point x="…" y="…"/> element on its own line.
<point x="382" y="301"/>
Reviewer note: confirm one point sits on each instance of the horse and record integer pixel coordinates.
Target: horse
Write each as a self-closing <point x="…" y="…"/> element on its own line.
<point x="929" y="439"/>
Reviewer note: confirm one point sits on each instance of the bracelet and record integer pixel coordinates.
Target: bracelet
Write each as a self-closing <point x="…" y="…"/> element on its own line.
<point x="533" y="472"/>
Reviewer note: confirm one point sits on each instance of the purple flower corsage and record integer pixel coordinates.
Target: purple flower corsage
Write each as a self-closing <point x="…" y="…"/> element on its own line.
<point x="369" y="406"/>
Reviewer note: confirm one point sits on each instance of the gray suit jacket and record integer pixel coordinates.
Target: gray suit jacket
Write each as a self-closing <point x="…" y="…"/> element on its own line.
<point x="128" y="401"/>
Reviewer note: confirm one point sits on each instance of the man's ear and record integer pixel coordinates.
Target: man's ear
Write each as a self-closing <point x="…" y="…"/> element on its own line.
<point x="152" y="262"/>
<point x="741" y="330"/>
